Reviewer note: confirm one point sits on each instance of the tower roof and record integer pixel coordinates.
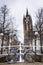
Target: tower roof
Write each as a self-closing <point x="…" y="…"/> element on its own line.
<point x="27" y="12"/>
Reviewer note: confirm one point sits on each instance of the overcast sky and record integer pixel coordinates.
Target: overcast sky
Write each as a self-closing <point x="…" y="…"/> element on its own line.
<point x="18" y="9"/>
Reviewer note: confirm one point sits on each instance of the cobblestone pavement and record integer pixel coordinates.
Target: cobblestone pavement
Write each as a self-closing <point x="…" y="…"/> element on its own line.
<point x="35" y="63"/>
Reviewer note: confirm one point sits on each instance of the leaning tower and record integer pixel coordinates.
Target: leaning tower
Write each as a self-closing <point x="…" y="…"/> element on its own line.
<point x="27" y="26"/>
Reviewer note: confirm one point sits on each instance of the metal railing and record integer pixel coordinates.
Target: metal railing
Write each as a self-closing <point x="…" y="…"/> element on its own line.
<point x="17" y="46"/>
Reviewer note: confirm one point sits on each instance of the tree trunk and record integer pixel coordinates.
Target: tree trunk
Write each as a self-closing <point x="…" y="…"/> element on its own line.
<point x="8" y="43"/>
<point x="40" y="41"/>
<point x="35" y="46"/>
<point x="2" y="44"/>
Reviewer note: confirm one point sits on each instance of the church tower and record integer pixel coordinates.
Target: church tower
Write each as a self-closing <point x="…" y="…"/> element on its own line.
<point x="27" y="25"/>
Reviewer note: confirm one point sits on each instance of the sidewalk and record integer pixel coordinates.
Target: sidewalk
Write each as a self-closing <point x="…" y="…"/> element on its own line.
<point x="35" y="63"/>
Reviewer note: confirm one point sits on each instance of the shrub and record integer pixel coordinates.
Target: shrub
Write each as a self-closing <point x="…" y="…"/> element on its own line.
<point x="32" y="58"/>
<point x="3" y="59"/>
<point x="37" y="58"/>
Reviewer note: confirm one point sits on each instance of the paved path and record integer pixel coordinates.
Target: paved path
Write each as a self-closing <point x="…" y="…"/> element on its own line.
<point x="23" y="63"/>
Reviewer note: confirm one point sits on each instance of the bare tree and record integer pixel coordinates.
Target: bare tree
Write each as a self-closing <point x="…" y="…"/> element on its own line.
<point x="6" y="26"/>
<point x="39" y="24"/>
<point x="4" y="23"/>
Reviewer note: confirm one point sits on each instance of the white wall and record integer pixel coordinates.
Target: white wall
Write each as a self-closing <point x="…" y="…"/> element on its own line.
<point x="37" y="45"/>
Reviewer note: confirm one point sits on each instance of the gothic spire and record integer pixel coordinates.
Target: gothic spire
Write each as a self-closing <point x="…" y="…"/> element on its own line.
<point x="26" y="12"/>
